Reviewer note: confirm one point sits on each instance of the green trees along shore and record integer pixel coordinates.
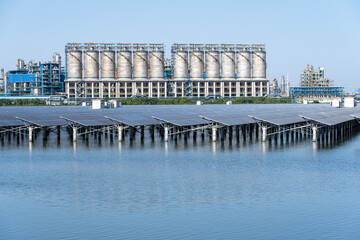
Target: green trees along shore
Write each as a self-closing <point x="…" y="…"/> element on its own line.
<point x="155" y="101"/>
<point x="180" y="101"/>
<point x="22" y="102"/>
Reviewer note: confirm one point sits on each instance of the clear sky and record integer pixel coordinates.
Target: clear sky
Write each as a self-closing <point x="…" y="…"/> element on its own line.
<point x="296" y="33"/>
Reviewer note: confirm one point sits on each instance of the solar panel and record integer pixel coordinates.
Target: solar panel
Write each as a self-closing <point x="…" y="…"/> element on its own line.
<point x="180" y="115"/>
<point x="181" y="120"/>
<point x="330" y="118"/>
<point x="230" y="121"/>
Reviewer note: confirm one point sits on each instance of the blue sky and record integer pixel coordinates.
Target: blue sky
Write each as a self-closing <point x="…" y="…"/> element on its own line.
<point x="296" y="33"/>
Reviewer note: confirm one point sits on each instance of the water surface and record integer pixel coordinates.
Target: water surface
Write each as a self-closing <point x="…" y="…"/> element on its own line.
<point x="179" y="191"/>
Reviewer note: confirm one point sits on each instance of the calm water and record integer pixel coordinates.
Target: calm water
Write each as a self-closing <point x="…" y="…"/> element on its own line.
<point x="193" y="191"/>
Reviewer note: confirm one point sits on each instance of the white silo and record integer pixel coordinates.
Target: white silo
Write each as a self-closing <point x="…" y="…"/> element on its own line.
<point x="196" y="62"/>
<point x="108" y="64"/>
<point x="20" y="64"/>
<point x="228" y="62"/>
<point x="74" y="63"/>
<point x="124" y="62"/>
<point x="56" y="58"/>
<point x="141" y="62"/>
<point x="91" y="63"/>
<point x="243" y="62"/>
<point x="156" y="58"/>
<point x="258" y="63"/>
<point x="180" y="56"/>
<point x="212" y="62"/>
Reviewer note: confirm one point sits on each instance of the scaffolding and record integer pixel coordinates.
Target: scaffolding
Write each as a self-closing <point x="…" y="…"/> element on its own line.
<point x="48" y="80"/>
<point x="314" y="78"/>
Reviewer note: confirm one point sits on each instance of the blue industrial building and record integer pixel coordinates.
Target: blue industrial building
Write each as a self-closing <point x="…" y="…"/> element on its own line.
<point x="41" y="79"/>
<point x="298" y="94"/>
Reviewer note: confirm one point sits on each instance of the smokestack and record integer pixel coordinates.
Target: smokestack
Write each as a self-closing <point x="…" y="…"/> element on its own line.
<point x="5" y="84"/>
<point x="282" y="86"/>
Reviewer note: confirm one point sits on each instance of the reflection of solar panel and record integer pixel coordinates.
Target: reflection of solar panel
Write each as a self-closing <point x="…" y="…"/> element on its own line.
<point x="180" y="115"/>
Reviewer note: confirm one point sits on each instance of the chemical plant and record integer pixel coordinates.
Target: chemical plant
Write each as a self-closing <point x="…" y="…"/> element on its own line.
<point x="119" y="70"/>
<point x="34" y="78"/>
<point x="282" y="90"/>
<point x="314" y="78"/>
<point x="314" y="86"/>
<point x="2" y="81"/>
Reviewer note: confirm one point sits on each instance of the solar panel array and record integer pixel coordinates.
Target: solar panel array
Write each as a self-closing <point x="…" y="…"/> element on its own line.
<point x="333" y="116"/>
<point x="179" y="115"/>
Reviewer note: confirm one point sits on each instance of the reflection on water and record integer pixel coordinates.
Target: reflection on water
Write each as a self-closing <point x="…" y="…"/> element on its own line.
<point x="179" y="190"/>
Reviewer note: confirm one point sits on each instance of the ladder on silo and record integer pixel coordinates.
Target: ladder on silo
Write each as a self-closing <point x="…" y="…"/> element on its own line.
<point x="244" y="57"/>
<point x="103" y="52"/>
<point x="213" y="56"/>
<point x="257" y="54"/>
<point x="161" y="60"/>
<point x="125" y="58"/>
<point x="193" y="53"/>
<point x="91" y="57"/>
<point x="233" y="60"/>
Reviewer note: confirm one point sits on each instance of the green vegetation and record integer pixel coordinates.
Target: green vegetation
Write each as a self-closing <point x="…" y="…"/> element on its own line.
<point x="155" y="101"/>
<point x="182" y="101"/>
<point x="22" y="102"/>
<point x="315" y="101"/>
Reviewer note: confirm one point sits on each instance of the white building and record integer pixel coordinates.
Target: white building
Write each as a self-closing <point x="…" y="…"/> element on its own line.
<point x="349" y="102"/>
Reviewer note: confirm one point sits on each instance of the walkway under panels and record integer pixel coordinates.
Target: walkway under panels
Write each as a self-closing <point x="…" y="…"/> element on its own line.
<point x="287" y="121"/>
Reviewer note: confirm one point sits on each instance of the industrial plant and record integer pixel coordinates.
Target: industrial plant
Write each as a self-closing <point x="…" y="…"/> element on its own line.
<point x="34" y="78"/>
<point x="279" y="90"/>
<point x="313" y="86"/>
<point x="121" y="70"/>
<point x="314" y="78"/>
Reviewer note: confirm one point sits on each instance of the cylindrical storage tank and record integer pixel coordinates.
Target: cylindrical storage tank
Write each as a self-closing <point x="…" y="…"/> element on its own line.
<point x="259" y="63"/>
<point x="57" y="58"/>
<point x="74" y="64"/>
<point x="243" y="63"/>
<point x="197" y="64"/>
<point x="228" y="64"/>
<point x="156" y="64"/>
<point x="181" y="63"/>
<point x="91" y="64"/>
<point x="141" y="64"/>
<point x="124" y="63"/>
<point x="107" y="64"/>
<point x="212" y="64"/>
<point x="20" y="64"/>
